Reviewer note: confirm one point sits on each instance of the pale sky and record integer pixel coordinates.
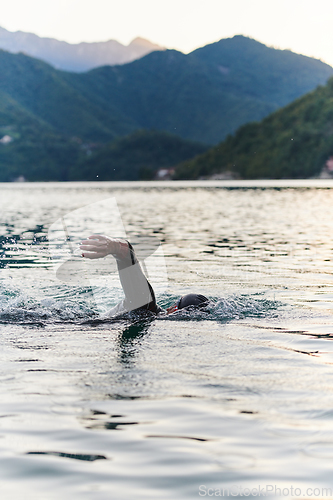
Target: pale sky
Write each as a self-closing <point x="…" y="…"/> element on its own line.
<point x="303" y="26"/>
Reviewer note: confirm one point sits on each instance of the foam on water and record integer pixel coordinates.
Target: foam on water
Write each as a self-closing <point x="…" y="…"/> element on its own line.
<point x="75" y="304"/>
<point x="17" y="306"/>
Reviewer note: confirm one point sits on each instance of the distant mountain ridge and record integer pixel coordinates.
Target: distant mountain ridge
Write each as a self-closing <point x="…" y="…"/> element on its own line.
<point x="75" y="57"/>
<point x="186" y="95"/>
<point x="203" y="96"/>
<point x="189" y="95"/>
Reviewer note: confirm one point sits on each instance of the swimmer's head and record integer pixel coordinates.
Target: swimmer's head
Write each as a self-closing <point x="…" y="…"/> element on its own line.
<point x="191" y="299"/>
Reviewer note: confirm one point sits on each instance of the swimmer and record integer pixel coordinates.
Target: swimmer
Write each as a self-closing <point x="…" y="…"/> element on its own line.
<point x="139" y="294"/>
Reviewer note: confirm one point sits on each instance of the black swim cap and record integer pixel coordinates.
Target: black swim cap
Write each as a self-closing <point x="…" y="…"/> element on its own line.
<point x="192" y="299"/>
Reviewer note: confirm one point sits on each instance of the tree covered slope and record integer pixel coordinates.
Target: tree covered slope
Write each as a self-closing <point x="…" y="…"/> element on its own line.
<point x="54" y="116"/>
<point x="293" y="142"/>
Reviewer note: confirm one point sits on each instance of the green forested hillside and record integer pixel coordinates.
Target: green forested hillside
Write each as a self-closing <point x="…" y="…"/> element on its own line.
<point x="207" y="94"/>
<point x="36" y="152"/>
<point x="201" y="96"/>
<point x="253" y="69"/>
<point x="39" y="154"/>
<point x="54" y="117"/>
<point x="134" y="157"/>
<point x="46" y="94"/>
<point x="294" y="142"/>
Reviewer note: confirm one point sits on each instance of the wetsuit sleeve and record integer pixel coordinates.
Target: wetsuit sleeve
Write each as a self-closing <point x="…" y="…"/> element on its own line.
<point x="139" y="294"/>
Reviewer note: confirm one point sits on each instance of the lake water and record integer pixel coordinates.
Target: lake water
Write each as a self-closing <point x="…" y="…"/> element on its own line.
<point x="179" y="407"/>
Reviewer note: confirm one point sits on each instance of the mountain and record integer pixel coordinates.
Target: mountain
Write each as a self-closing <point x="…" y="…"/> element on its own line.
<point x="207" y="94"/>
<point x="255" y="70"/>
<point x="49" y="96"/>
<point x="54" y="116"/>
<point x="293" y="142"/>
<point x="202" y="96"/>
<point x="137" y="156"/>
<point x="75" y="57"/>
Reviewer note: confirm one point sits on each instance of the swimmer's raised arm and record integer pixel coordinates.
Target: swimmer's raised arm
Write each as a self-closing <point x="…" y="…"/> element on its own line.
<point x="139" y="295"/>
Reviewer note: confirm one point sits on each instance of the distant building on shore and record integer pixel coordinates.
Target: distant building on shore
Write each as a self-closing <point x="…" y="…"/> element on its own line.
<point x="327" y="170"/>
<point x="6" y="139"/>
<point x="164" y="174"/>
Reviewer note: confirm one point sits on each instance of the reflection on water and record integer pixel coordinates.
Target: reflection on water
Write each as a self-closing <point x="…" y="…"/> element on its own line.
<point x="236" y="396"/>
<point x="74" y="456"/>
<point x="129" y="338"/>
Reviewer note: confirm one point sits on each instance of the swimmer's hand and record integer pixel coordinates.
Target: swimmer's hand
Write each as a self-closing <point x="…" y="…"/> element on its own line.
<point x="98" y="246"/>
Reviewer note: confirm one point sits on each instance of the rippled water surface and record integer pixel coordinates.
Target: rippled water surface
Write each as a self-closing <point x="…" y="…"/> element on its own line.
<point x="179" y="407"/>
